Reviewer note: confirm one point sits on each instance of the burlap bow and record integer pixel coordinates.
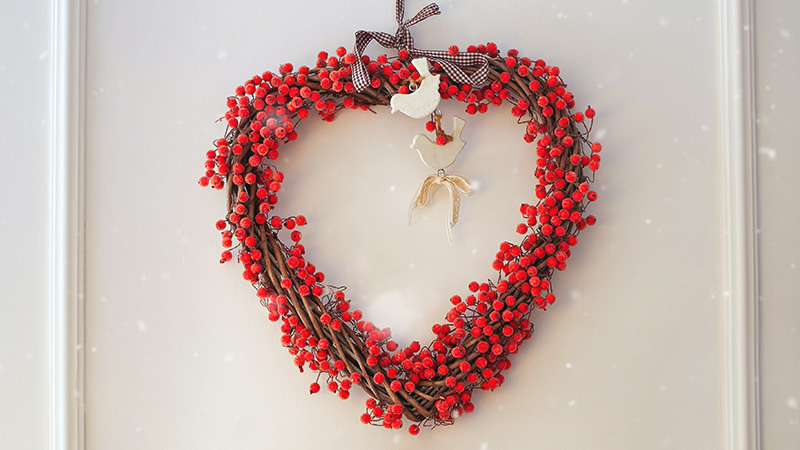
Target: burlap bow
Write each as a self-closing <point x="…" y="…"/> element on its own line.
<point x="455" y="184"/>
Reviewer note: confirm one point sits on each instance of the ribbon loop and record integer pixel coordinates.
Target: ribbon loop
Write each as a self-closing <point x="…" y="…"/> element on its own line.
<point x="431" y="9"/>
<point x="455" y="185"/>
<point x="402" y="40"/>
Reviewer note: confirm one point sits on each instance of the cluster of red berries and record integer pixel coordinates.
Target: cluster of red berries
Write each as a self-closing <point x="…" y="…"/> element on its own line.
<point x="427" y="384"/>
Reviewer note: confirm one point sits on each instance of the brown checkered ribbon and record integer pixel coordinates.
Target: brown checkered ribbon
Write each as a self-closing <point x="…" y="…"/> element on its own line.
<point x="402" y="40"/>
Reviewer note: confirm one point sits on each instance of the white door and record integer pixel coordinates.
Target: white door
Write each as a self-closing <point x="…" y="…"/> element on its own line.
<point x="672" y="319"/>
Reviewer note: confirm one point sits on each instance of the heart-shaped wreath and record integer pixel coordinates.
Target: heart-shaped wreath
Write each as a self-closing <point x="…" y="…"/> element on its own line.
<point x="428" y="384"/>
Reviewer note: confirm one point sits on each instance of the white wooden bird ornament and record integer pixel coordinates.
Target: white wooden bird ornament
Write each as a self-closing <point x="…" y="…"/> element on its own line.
<point x="438" y="157"/>
<point x="423" y="101"/>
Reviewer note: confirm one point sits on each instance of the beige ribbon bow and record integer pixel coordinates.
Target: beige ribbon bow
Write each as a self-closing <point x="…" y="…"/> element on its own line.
<point x="454" y="184"/>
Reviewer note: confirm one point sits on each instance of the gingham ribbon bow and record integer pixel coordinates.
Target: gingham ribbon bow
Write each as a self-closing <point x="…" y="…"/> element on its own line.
<point x="402" y="40"/>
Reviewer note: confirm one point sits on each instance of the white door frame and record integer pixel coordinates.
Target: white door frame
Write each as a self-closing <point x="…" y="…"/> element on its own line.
<point x="742" y="421"/>
<point x="739" y="225"/>
<point x="67" y="232"/>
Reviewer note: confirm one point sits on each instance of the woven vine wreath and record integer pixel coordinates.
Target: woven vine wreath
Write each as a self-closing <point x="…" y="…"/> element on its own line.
<point x="429" y="384"/>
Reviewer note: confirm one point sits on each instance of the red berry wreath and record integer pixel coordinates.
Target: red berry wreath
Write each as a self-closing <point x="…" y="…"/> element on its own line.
<point x="428" y="384"/>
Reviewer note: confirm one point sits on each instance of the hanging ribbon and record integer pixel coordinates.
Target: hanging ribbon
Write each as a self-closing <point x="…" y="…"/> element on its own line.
<point x="454" y="184"/>
<point x="402" y="40"/>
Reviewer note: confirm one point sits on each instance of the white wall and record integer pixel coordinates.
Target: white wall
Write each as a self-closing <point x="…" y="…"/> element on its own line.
<point x="180" y="355"/>
<point x="25" y="61"/>
<point x="778" y="58"/>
